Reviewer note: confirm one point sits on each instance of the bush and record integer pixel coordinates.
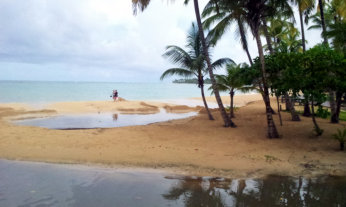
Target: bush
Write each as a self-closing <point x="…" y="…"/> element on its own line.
<point x="341" y="137"/>
<point x="323" y="113"/>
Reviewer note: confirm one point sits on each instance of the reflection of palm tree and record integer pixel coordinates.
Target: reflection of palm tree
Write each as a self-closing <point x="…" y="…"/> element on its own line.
<point x="199" y="192"/>
<point x="271" y="191"/>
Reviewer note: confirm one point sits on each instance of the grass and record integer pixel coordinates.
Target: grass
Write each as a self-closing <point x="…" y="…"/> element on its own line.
<point x="342" y="116"/>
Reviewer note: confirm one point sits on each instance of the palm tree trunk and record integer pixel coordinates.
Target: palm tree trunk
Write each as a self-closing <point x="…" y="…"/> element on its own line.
<point x="325" y="41"/>
<point x="324" y="30"/>
<point x="277" y="101"/>
<point x="243" y="40"/>
<point x="307" y="112"/>
<point x="205" y="104"/>
<point x="227" y="122"/>
<point x="317" y="128"/>
<point x="269" y="41"/>
<point x="333" y="111"/>
<point x="294" y="114"/>
<point x="272" y="131"/>
<point x="262" y="94"/>
<point x="231" y="114"/>
<point x="302" y="27"/>
<point x="338" y="105"/>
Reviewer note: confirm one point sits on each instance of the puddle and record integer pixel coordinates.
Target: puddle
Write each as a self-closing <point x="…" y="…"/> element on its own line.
<point x="41" y="184"/>
<point x="102" y="120"/>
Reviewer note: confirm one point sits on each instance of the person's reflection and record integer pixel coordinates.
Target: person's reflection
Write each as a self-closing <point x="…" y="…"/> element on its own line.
<point x="115" y="117"/>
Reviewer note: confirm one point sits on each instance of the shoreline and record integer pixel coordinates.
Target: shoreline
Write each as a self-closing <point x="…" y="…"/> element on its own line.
<point x="192" y="146"/>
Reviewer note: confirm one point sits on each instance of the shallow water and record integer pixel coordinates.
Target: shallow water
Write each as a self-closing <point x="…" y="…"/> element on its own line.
<point x="40" y="184"/>
<point x="102" y="120"/>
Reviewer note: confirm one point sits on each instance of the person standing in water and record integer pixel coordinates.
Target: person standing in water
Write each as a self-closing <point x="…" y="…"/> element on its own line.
<point x="115" y="95"/>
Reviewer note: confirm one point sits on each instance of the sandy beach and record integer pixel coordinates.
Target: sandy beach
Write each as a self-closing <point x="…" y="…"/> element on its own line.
<point x="193" y="146"/>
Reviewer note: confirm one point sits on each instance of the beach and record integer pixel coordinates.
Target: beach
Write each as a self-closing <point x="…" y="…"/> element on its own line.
<point x="191" y="146"/>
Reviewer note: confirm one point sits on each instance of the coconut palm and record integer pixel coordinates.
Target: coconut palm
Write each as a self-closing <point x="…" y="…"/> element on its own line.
<point x="224" y="14"/>
<point x="256" y="10"/>
<point x="142" y="4"/>
<point x="231" y="82"/>
<point x="278" y="9"/>
<point x="191" y="62"/>
<point x="305" y="8"/>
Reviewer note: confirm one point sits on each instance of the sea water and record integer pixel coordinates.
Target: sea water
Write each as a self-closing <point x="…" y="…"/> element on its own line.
<point x="45" y="92"/>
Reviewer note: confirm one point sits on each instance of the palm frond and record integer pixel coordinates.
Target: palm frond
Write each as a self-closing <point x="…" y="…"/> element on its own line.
<point x="177" y="71"/>
<point x="222" y="62"/>
<point x="177" y="55"/>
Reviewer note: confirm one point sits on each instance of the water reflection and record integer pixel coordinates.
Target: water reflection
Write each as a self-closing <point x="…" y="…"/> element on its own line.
<point x="271" y="191"/>
<point x="115" y="117"/>
<point x="39" y="184"/>
<point x="102" y="120"/>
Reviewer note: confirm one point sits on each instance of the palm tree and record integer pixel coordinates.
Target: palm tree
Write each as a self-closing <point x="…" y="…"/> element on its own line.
<point x="304" y="7"/>
<point x="231" y="82"/>
<point x="278" y="9"/>
<point x="191" y="62"/>
<point x="142" y="4"/>
<point x="225" y="13"/>
<point x="323" y="23"/>
<point x="256" y="10"/>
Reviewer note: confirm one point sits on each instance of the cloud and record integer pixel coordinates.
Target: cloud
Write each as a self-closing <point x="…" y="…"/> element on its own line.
<point x="96" y="39"/>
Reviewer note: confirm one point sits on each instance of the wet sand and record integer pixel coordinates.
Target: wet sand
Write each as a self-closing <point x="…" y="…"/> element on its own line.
<point x="194" y="145"/>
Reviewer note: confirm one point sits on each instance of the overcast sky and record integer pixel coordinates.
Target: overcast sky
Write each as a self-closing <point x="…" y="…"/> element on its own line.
<point x="98" y="40"/>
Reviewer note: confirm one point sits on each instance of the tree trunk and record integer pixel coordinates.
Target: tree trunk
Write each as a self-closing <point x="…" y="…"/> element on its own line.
<point x="231" y="113"/>
<point x="243" y="40"/>
<point x="205" y="104"/>
<point x="287" y="102"/>
<point x="272" y="131"/>
<point x="294" y="114"/>
<point x="324" y="30"/>
<point x="227" y="122"/>
<point x="338" y="105"/>
<point x="269" y="41"/>
<point x="277" y="101"/>
<point x="307" y="112"/>
<point x="262" y="94"/>
<point x="342" y="146"/>
<point x="317" y="128"/>
<point x="302" y="27"/>
<point x="333" y="111"/>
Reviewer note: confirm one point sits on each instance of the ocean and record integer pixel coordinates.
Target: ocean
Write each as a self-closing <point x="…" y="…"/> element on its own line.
<point x="49" y="91"/>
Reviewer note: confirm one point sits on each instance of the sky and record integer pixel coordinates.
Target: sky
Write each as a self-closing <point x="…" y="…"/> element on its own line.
<point x="100" y="40"/>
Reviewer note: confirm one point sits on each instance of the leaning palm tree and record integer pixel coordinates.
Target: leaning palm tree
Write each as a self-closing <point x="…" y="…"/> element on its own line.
<point x="192" y="62"/>
<point x="256" y="11"/>
<point x="142" y="4"/>
<point x="232" y="82"/>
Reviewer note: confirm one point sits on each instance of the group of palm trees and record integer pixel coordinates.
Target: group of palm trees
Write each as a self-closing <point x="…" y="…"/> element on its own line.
<point x="273" y="19"/>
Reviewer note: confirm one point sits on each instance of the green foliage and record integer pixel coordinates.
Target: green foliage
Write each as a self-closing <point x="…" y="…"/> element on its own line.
<point x="190" y="62"/>
<point x="323" y="113"/>
<point x="341" y="137"/>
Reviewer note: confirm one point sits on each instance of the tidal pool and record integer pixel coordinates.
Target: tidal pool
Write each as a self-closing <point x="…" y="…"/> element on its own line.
<point x="40" y="184"/>
<point x="102" y="120"/>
